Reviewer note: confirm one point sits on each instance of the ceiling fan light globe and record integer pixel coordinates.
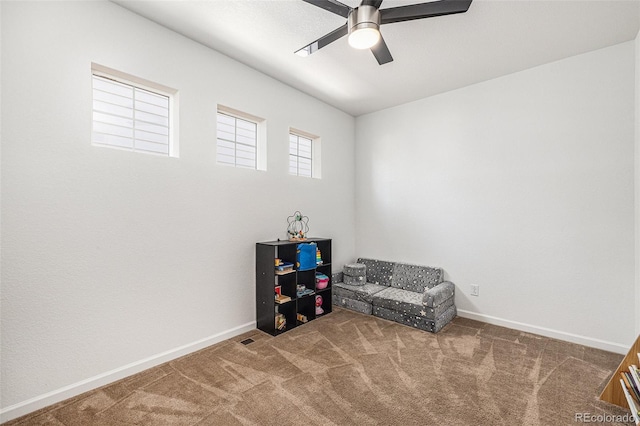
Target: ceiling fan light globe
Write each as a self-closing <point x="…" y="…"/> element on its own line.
<point x="364" y="38"/>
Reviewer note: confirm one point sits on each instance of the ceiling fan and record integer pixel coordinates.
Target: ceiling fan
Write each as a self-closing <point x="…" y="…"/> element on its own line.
<point x="363" y="22"/>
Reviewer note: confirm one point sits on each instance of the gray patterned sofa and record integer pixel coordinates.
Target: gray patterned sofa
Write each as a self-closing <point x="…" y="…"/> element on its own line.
<point x="409" y="294"/>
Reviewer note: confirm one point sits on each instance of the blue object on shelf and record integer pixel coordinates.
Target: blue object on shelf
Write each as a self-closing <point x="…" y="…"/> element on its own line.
<point x="306" y="256"/>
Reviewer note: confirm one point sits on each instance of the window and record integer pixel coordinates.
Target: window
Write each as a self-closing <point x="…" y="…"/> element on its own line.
<point x="240" y="139"/>
<point x="304" y="154"/>
<point x="131" y="116"/>
<point x="237" y="139"/>
<point x="300" y="155"/>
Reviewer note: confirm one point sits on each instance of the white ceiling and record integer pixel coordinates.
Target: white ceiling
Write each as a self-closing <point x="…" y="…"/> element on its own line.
<point x="434" y="55"/>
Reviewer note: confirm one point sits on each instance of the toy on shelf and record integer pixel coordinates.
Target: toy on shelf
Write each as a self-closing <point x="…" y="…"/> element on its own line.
<point x="318" y="257"/>
<point x="283" y="267"/>
<point x="322" y="281"/>
<point x="298" y="227"/>
<point x="319" y="310"/>
<point x="302" y="290"/>
<point x="281" y="298"/>
<point x="306" y="256"/>
<point x="281" y="322"/>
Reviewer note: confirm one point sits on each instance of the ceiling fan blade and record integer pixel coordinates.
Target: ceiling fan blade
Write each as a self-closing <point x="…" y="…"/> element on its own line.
<point x="374" y="3"/>
<point x="381" y="52"/>
<point x="333" y="6"/>
<point x="423" y="10"/>
<point x="323" y="41"/>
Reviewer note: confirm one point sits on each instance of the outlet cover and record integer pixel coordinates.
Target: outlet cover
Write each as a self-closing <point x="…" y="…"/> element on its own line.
<point x="475" y="290"/>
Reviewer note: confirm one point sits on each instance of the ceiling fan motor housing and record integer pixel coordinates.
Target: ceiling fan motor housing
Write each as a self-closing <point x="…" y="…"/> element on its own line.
<point x="364" y="17"/>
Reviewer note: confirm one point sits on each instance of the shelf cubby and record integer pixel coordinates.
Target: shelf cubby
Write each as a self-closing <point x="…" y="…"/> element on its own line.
<point x="326" y="300"/>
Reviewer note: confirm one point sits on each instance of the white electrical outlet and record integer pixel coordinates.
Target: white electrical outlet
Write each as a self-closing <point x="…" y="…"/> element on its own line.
<point x="475" y="290"/>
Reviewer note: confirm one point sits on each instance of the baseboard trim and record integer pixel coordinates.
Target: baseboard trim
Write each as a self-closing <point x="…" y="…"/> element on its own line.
<point x="25" y="407"/>
<point x="548" y="332"/>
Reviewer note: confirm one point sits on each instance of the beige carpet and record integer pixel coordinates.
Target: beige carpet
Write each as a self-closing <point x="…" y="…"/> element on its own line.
<point x="352" y="369"/>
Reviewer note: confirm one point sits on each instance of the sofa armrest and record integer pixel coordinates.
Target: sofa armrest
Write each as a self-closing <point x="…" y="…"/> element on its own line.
<point x="433" y="297"/>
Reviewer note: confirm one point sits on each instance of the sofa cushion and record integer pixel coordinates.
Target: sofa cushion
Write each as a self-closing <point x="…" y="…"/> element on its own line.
<point x="399" y="300"/>
<point x="414" y="277"/>
<point x="363" y="293"/>
<point x="378" y="271"/>
<point x="408" y="302"/>
<point x="348" y="279"/>
<point x="435" y="296"/>
<point x="355" y="269"/>
<point x="432" y="325"/>
<point x="352" y="304"/>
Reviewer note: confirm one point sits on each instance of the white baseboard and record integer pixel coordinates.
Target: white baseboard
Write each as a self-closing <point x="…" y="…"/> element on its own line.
<point x="548" y="332"/>
<point x="25" y="407"/>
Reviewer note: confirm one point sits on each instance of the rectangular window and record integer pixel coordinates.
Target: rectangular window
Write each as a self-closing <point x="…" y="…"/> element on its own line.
<point x="129" y="116"/>
<point x="300" y="155"/>
<point x="237" y="141"/>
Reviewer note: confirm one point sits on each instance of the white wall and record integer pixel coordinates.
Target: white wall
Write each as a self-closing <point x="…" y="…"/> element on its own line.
<point x="523" y="185"/>
<point x="637" y="185"/>
<point x="112" y="258"/>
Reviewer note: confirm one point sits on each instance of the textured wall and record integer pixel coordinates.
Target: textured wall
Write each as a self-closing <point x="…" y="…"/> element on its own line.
<point x="111" y="257"/>
<point x="637" y="186"/>
<point x="523" y="185"/>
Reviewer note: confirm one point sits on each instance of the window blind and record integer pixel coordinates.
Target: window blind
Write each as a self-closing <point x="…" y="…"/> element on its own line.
<point x="129" y="117"/>
<point x="300" y="157"/>
<point x="237" y="139"/>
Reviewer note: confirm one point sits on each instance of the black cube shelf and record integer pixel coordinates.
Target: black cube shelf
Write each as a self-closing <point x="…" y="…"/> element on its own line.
<point x="297" y="310"/>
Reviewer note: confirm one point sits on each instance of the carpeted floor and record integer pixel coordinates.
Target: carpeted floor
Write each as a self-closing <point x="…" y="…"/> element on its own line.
<point x="352" y="369"/>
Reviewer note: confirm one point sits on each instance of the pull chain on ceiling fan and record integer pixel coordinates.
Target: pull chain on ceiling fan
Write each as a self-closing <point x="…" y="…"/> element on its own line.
<point x="363" y="22"/>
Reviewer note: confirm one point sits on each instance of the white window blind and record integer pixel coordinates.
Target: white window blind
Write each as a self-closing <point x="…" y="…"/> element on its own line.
<point x="129" y="117"/>
<point x="237" y="140"/>
<point x="300" y="155"/>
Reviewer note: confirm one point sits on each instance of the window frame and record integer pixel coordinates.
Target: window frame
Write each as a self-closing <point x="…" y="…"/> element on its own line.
<point x="260" y="134"/>
<point x="315" y="153"/>
<point x="297" y="156"/>
<point x="134" y="82"/>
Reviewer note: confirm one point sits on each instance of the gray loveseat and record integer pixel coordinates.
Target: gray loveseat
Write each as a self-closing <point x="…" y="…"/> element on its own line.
<point x="413" y="295"/>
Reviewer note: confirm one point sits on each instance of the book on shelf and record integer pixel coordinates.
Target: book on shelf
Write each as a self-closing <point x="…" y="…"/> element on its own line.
<point x="281" y="322"/>
<point x="628" y="380"/>
<point x="633" y="370"/>
<point x="632" y="405"/>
